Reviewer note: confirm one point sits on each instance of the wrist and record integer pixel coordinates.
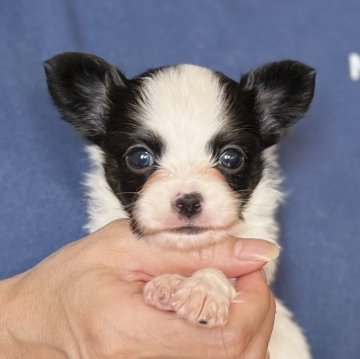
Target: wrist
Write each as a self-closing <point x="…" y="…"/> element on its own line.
<point x="26" y="327"/>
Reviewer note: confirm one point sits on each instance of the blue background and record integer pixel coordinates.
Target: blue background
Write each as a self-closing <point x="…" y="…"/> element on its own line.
<point x="42" y="159"/>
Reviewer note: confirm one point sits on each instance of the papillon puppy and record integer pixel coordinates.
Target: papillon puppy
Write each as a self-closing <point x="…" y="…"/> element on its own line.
<point x="189" y="155"/>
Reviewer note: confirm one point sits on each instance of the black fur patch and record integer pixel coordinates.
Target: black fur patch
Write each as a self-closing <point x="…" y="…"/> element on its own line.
<point x="280" y="93"/>
<point x="80" y="86"/>
<point x="123" y="132"/>
<point x="241" y="130"/>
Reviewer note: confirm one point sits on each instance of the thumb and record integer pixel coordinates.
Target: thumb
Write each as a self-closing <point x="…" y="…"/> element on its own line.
<point x="233" y="256"/>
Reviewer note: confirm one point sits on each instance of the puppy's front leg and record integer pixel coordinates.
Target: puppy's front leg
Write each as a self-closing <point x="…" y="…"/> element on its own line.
<point x="204" y="298"/>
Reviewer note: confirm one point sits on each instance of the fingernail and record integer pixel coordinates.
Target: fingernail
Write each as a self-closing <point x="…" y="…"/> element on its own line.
<point x="258" y="250"/>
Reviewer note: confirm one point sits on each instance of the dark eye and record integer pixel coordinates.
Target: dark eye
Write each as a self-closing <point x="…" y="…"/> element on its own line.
<point x="139" y="159"/>
<point x="231" y="159"/>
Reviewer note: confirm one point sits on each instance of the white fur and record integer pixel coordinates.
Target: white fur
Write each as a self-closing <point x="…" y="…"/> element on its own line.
<point x="103" y="206"/>
<point x="185" y="107"/>
<point x="219" y="211"/>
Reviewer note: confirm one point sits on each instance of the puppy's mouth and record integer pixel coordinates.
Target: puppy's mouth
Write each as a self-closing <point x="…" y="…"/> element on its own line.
<point x="188" y="235"/>
<point x="189" y="230"/>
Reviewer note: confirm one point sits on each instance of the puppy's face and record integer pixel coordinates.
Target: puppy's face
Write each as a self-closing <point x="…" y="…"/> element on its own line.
<point x="183" y="144"/>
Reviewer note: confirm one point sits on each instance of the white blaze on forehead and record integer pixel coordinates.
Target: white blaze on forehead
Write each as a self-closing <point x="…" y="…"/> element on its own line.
<point x="185" y="106"/>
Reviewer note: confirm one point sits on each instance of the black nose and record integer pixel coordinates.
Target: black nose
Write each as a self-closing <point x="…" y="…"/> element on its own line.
<point x="189" y="204"/>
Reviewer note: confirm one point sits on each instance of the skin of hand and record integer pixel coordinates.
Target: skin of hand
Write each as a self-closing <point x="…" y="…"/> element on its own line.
<point x="86" y="301"/>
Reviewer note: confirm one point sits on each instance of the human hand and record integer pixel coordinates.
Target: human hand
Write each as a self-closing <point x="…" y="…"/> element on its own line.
<point x="86" y="301"/>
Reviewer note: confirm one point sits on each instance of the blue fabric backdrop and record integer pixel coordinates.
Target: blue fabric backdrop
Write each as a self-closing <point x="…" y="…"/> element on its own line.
<point x="42" y="159"/>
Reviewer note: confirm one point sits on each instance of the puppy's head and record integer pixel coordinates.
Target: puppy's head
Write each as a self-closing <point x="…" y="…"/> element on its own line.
<point x="182" y="144"/>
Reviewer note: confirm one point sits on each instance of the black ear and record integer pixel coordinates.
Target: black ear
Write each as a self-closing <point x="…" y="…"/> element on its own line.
<point x="281" y="93"/>
<point x="80" y="85"/>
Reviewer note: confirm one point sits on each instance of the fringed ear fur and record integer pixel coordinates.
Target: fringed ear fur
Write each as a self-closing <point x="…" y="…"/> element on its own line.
<point x="282" y="94"/>
<point x="79" y="85"/>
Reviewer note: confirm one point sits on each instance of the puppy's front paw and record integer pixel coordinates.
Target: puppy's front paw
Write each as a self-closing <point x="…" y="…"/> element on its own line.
<point x="159" y="292"/>
<point x="204" y="298"/>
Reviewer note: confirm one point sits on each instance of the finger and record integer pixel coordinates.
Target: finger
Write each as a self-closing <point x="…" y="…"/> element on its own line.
<point x="249" y="325"/>
<point x="258" y="348"/>
<point x="175" y="335"/>
<point x="179" y="336"/>
<point x="233" y="256"/>
<point x="250" y="322"/>
<point x="252" y="305"/>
